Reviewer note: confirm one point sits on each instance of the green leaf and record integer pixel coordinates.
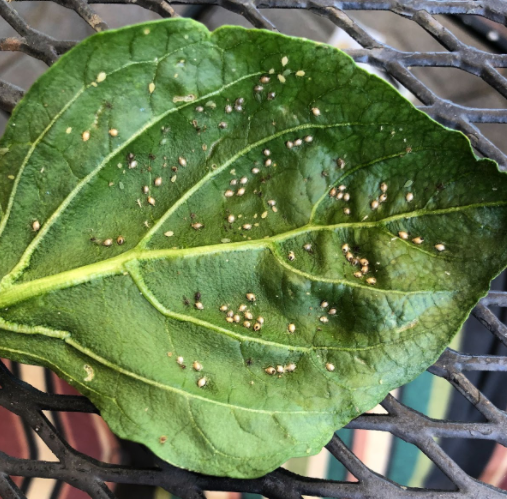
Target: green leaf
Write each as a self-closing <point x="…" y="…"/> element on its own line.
<point x="102" y="282"/>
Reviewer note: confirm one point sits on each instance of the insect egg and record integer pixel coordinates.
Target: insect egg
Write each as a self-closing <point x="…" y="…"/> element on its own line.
<point x="439" y="247"/>
<point x="332" y="192"/>
<point x="291" y="328"/>
<point x="35" y="225"/>
<point x="330" y="367"/>
<point x="146" y="189"/>
<point x="250" y="297"/>
<point x="403" y="235"/>
<point x="197" y="366"/>
<point x="339" y="195"/>
<point x="260" y="320"/>
<point x="179" y="360"/>
<point x="229" y="319"/>
<point x="85" y="136"/>
<point x="230" y="313"/>
<point x="418" y="240"/>
<point x="240" y="101"/>
<point x="158" y="182"/>
<point x="342" y="187"/>
<point x="151" y="201"/>
<point x="271" y="202"/>
<point x="113" y="132"/>
<point x="257" y="326"/>
<point x="346" y="196"/>
<point x="132" y="164"/>
<point x="199" y="109"/>
<point x="201" y="383"/>
<point x="316" y="111"/>
<point x="409" y="197"/>
<point x="248" y="315"/>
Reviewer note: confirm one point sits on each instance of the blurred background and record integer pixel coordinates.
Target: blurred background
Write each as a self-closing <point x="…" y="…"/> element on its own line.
<point x="428" y="394"/>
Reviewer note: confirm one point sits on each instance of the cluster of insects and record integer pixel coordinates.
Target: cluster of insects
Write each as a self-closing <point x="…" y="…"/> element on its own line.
<point x="340" y="194"/>
<point x="248" y="320"/>
<point x="329" y="311"/>
<point x="363" y="263"/>
<point x="196" y="366"/>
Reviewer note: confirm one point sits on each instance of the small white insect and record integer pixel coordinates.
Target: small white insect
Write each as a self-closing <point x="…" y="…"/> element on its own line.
<point x="231" y="219"/>
<point x="266" y="152"/>
<point x="250" y="297"/>
<point x="85" y="136"/>
<point x="237" y="318"/>
<point x="240" y="101"/>
<point x="290" y="367"/>
<point x="180" y="360"/>
<point x="342" y="187"/>
<point x="260" y="320"/>
<point x="255" y="171"/>
<point x="289" y="144"/>
<point x="439" y="247"/>
<point x="243" y="180"/>
<point x="247" y="324"/>
<point x="291" y="256"/>
<point x="346" y="196"/>
<point x="374" y="204"/>
<point x="182" y="161"/>
<point x="324" y="319"/>
<point x="258" y="88"/>
<point x="298" y="142"/>
<point x="418" y="240"/>
<point x="229" y="319"/>
<point x="248" y="316"/>
<point x="107" y="242"/>
<point x="199" y="109"/>
<point x="222" y="125"/>
<point x="330" y="367"/>
<point x="257" y="326"/>
<point x="151" y="87"/>
<point x="307" y="247"/>
<point x="364" y="261"/>
<point x="224" y="308"/>
<point x="409" y="197"/>
<point x="197" y="366"/>
<point x="169" y="233"/>
<point x="247" y="226"/>
<point x="341" y="163"/>
<point x="228" y="109"/>
<point x="300" y="73"/>
<point x="308" y="139"/>
<point x="264" y="79"/>
<point x="151" y="201"/>
<point x="270" y="370"/>
<point x="132" y="164"/>
<point x="371" y="280"/>
<point x="101" y="76"/>
<point x="280" y="369"/>
<point x="271" y="95"/>
<point x="197" y="226"/>
<point x="383" y="187"/>
<point x="199" y="306"/>
<point x="35" y="225"/>
<point x="346" y="211"/>
<point x="285" y="60"/>
<point x="271" y="202"/>
<point x="291" y="328"/>
<point x="339" y="195"/>
<point x="234" y="181"/>
<point x="113" y="132"/>
<point x="230" y="313"/>
<point x="365" y="269"/>
<point x="145" y="189"/>
<point x="268" y="162"/>
<point x="403" y="234"/>
<point x="158" y="182"/>
<point x="120" y="240"/>
<point x="316" y="111"/>
<point x="241" y="191"/>
<point x="383" y="198"/>
<point x="345" y="248"/>
<point x="228" y="193"/>
<point x="242" y="307"/>
<point x="332" y="192"/>
<point x="324" y="304"/>
<point x="332" y="311"/>
<point x="201" y="383"/>
<point x="359" y="275"/>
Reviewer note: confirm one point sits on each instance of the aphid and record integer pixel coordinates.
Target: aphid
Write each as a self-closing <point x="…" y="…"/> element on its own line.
<point x="270" y="370"/>
<point x="158" y="182"/>
<point x="291" y="256"/>
<point x="330" y="367"/>
<point x="231" y="218"/>
<point x="260" y="320"/>
<point x="271" y="95"/>
<point x="345" y="248"/>
<point x="237" y="318"/>
<point x="35" y="225"/>
<point x="339" y="195"/>
<point x="268" y="162"/>
<point x="182" y="161"/>
<point x="201" y="382"/>
<point x="271" y="202"/>
<point x="199" y="306"/>
<point x="199" y="109"/>
<point x="307" y="247"/>
<point x="248" y="315"/>
<point x="358" y="274"/>
<point x="197" y="226"/>
<point x="409" y="197"/>
<point x="324" y="319"/>
<point x="120" y="240"/>
<point x="247" y="226"/>
<point x="113" y="132"/>
<point x="291" y="328"/>
<point x="324" y="304"/>
<point x="349" y="256"/>
<point x="85" y="136"/>
<point x="332" y="192"/>
<point x="439" y="247"/>
<point x="308" y="139"/>
<point x="222" y="125"/>
<point x="418" y="240"/>
<point x="316" y="111"/>
<point x="341" y="163"/>
<point x="250" y="297"/>
<point x="298" y="142"/>
<point x="257" y="326"/>
<point x="365" y="269"/>
<point x="289" y="144"/>
<point x="180" y="360"/>
<point x="374" y="204"/>
<point x="403" y="235"/>
<point x="197" y="366"/>
<point x="228" y="109"/>
<point x="223" y="308"/>
<point x="242" y="308"/>
<point x="371" y="280"/>
<point x="255" y="171"/>
<point x="280" y="369"/>
<point x="290" y="367"/>
<point x="332" y="311"/>
<point x="258" y="88"/>
<point x="346" y="196"/>
<point x="383" y="187"/>
<point x="107" y="242"/>
<point x="383" y="198"/>
<point x="264" y="79"/>
<point x="241" y="191"/>
<point x="247" y="324"/>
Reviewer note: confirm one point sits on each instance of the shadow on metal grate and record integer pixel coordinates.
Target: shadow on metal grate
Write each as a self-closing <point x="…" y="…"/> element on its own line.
<point x="91" y="476"/>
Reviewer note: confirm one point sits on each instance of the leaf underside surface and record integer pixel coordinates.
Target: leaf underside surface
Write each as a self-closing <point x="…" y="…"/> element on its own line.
<point x="160" y="178"/>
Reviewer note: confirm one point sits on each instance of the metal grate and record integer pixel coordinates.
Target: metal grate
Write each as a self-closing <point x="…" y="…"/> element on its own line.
<point x="91" y="476"/>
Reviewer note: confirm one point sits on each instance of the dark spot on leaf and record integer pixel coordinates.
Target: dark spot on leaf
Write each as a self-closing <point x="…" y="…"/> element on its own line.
<point x="186" y="301"/>
<point x="197" y="296"/>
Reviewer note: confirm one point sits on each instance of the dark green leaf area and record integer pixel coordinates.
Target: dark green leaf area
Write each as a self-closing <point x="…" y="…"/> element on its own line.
<point x="235" y="242"/>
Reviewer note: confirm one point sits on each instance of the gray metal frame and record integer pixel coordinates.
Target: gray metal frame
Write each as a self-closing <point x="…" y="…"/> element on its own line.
<point x="89" y="475"/>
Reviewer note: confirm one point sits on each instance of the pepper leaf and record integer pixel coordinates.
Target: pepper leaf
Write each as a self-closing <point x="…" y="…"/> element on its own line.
<point x="235" y="242"/>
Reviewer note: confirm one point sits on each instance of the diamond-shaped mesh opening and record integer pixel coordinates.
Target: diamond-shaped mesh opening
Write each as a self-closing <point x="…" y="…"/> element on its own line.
<point x="457" y="401"/>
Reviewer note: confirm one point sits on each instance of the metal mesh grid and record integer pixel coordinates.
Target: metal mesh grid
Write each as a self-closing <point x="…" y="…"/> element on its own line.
<point x="91" y="476"/>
